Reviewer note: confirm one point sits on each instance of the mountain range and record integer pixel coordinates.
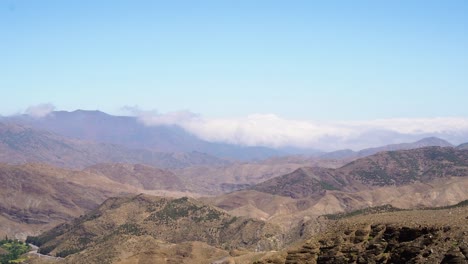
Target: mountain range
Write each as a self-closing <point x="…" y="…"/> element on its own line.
<point x="20" y="144"/>
<point x="131" y="133"/>
<point x="127" y="131"/>
<point x="90" y="187"/>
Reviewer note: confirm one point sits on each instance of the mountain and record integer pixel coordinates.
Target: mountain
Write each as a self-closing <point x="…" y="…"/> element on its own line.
<point x="425" y="142"/>
<point x="387" y="168"/>
<point x="431" y="176"/>
<point x="406" y="166"/>
<point x="151" y="218"/>
<point x="128" y="131"/>
<point x="21" y="144"/>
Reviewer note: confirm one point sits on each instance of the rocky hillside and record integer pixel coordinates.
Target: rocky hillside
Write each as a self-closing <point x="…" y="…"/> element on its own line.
<point x="416" y="236"/>
<point x="168" y="220"/>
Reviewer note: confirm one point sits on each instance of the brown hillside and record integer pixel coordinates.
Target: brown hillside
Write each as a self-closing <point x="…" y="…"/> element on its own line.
<point x="35" y="196"/>
<point x="382" y="169"/>
<point x="169" y="220"/>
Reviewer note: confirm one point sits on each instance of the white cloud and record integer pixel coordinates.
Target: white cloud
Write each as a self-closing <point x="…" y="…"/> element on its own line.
<point x="273" y="131"/>
<point x="40" y="110"/>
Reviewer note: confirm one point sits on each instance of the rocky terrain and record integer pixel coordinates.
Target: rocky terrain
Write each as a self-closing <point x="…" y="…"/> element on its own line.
<point x="387" y="236"/>
<point x="160" y="220"/>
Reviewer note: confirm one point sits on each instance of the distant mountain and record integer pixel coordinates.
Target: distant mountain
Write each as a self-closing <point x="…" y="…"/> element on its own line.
<point x="21" y="144"/>
<point x="425" y="142"/>
<point x="128" y="131"/>
<point x="155" y="218"/>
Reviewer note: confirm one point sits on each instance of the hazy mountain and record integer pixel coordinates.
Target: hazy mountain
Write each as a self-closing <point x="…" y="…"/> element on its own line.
<point x="127" y="131"/>
<point x="425" y="142"/>
<point x="20" y="144"/>
<point x="215" y="180"/>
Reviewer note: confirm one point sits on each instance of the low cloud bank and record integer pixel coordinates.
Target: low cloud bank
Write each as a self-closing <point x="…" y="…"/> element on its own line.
<point x="273" y="131"/>
<point x="40" y="110"/>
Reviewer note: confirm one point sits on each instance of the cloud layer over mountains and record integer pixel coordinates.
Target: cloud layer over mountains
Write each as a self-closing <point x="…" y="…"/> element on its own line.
<point x="271" y="130"/>
<point x="274" y="131"/>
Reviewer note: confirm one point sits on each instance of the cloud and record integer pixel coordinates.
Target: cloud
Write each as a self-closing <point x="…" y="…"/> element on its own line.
<point x="40" y="110"/>
<point x="273" y="131"/>
<point x="153" y="118"/>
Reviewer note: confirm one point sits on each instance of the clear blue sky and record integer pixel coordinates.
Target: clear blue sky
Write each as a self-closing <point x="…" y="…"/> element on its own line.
<point x="338" y="60"/>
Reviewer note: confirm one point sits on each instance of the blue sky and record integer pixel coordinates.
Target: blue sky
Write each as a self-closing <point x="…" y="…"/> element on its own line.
<point x="312" y="60"/>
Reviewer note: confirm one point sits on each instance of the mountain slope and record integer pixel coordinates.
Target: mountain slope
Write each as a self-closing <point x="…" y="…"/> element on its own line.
<point x="386" y="236"/>
<point x="409" y="179"/>
<point x="168" y="220"/>
<point x="35" y="196"/>
<point x="406" y="166"/>
<point x="382" y="169"/>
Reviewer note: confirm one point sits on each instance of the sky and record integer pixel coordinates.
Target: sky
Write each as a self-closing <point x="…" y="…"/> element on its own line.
<point x="312" y="61"/>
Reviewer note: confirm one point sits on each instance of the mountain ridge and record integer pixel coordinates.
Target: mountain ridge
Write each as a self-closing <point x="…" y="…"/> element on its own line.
<point x="128" y="131"/>
<point x="22" y="144"/>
